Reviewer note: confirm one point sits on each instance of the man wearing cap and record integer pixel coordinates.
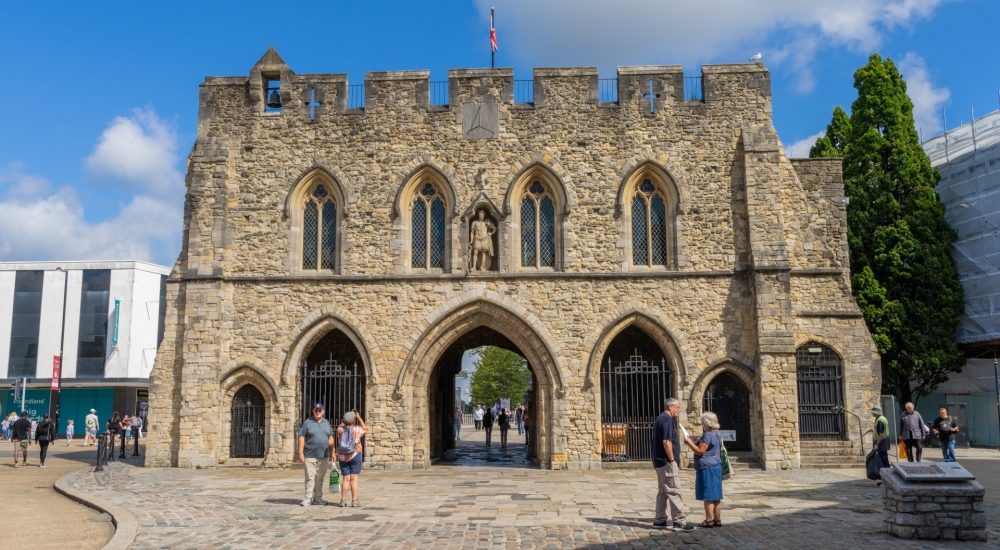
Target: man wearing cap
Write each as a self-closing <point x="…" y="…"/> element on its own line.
<point x="90" y="427"/>
<point x="315" y="442"/>
<point x="880" y="436"/>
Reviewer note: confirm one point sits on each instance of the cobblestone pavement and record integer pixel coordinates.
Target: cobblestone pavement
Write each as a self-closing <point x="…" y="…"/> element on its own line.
<point x="458" y="506"/>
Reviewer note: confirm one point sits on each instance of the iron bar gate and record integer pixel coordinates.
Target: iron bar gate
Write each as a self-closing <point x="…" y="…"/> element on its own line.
<point x="729" y="399"/>
<point x="338" y="387"/>
<point x="246" y="438"/>
<point x="632" y="396"/>
<point x="821" y="393"/>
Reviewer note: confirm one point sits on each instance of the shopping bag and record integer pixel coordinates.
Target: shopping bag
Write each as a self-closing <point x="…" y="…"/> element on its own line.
<point x="727" y="468"/>
<point x="334" y="479"/>
<point x="902" y="448"/>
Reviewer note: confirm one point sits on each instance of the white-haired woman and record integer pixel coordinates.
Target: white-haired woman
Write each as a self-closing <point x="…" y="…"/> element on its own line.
<point x="708" y="469"/>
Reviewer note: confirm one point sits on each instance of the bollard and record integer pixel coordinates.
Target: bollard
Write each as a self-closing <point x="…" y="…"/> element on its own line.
<point x="100" y="455"/>
<point x="135" y="448"/>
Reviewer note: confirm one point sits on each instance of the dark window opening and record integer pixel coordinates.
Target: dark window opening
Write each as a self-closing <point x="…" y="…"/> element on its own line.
<point x="23" y="358"/>
<point x="95" y="295"/>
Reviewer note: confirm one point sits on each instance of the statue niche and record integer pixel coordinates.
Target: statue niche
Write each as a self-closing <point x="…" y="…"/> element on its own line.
<point x="482" y="242"/>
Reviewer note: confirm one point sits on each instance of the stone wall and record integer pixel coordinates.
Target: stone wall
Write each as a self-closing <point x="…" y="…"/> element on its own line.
<point x="761" y="254"/>
<point x="933" y="510"/>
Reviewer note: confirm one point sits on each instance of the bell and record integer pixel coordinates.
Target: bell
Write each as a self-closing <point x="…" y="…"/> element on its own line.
<point x="274" y="100"/>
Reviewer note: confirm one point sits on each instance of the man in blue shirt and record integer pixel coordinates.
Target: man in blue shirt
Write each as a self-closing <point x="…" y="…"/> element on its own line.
<point x="315" y="442"/>
<point x="666" y="461"/>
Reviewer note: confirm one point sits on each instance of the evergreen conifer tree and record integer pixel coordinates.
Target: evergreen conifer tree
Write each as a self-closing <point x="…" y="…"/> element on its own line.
<point x="902" y="274"/>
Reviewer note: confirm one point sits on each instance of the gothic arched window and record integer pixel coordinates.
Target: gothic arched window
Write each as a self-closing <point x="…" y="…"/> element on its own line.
<point x="427" y="229"/>
<point x="538" y="227"/>
<point x="650" y="226"/>
<point x="319" y="229"/>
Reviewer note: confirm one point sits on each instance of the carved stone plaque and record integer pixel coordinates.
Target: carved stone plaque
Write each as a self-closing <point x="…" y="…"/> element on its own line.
<point x="481" y="120"/>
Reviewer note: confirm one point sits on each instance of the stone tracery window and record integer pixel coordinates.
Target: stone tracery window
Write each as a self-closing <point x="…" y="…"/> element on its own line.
<point x="319" y="229"/>
<point x="427" y="229"/>
<point x="538" y="232"/>
<point x="651" y="227"/>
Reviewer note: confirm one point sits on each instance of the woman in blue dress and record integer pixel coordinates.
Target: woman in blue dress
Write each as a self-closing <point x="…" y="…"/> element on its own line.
<point x="708" y="469"/>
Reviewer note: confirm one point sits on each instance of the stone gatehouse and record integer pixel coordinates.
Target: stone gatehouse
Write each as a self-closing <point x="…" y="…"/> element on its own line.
<point x="645" y="236"/>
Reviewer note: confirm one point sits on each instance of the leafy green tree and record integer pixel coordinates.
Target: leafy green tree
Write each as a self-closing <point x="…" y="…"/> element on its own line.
<point x="902" y="274"/>
<point x="499" y="374"/>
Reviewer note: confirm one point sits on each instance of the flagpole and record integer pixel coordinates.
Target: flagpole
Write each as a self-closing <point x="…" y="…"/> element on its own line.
<point x="493" y="54"/>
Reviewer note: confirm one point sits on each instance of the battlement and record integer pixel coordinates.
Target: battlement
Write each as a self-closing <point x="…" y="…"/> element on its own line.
<point x="273" y="89"/>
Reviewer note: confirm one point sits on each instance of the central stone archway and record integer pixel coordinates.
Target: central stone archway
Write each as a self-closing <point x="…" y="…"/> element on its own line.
<point x="439" y="341"/>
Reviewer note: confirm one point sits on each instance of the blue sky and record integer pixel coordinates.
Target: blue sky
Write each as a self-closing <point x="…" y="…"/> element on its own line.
<point x="101" y="98"/>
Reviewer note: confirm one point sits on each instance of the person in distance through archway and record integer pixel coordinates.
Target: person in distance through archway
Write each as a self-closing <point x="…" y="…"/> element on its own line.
<point x="488" y="424"/>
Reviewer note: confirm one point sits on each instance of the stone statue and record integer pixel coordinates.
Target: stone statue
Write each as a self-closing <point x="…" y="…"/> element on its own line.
<point x="481" y="242"/>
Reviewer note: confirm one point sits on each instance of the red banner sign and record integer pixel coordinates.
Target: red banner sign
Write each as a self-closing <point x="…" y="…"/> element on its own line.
<point x="56" y="367"/>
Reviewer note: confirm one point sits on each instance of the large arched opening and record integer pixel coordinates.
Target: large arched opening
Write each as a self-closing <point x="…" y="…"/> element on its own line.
<point x="333" y="374"/>
<point x="429" y="373"/>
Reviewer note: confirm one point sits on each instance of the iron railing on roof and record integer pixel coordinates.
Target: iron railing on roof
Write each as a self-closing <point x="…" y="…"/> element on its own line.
<point x="692" y="89"/>
<point x="524" y="91"/>
<point x="607" y="90"/>
<point x="356" y="96"/>
<point x="439" y="93"/>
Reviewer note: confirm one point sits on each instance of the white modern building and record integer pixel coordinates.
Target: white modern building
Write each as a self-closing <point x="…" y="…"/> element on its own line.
<point x="106" y="316"/>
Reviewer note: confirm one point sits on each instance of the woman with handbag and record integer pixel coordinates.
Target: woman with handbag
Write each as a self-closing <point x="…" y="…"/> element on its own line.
<point x="708" y="469"/>
<point x="45" y="435"/>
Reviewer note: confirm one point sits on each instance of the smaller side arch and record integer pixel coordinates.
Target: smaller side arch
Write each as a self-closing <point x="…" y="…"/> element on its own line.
<point x="250" y="368"/>
<point x="730" y="365"/>
<point x="231" y="383"/>
<point x="313" y="328"/>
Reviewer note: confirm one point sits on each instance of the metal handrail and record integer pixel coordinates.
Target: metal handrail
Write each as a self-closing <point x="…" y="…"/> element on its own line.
<point x="356" y="96"/>
<point x="439" y="92"/>
<point x="524" y="91"/>
<point x="607" y="90"/>
<point x="693" y="89"/>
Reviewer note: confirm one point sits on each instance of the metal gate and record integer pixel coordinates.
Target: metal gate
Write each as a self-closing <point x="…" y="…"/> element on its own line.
<point x="821" y="393"/>
<point x="246" y="439"/>
<point x="729" y="399"/>
<point x="339" y="388"/>
<point x="632" y="396"/>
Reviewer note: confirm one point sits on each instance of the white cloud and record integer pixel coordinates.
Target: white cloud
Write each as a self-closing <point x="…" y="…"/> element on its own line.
<point x="927" y="100"/>
<point x="136" y="154"/>
<point x="629" y="32"/>
<point x="800" y="149"/>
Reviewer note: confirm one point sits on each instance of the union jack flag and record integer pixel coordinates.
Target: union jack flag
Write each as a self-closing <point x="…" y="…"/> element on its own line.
<point x="493" y="38"/>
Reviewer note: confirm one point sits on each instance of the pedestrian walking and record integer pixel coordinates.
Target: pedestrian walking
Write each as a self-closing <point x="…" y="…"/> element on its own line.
<point x="666" y="463"/>
<point x="350" y="455"/>
<point x="114" y="430"/>
<point x="503" y="421"/>
<point x="5" y="428"/>
<point x="90" y="428"/>
<point x="880" y="436"/>
<point x="518" y="413"/>
<point x="70" y="431"/>
<point x="524" y="419"/>
<point x="22" y="437"/>
<point x="477" y="417"/>
<point x="137" y="426"/>
<point x="46" y="435"/>
<point x="488" y="424"/>
<point x="315" y="442"/>
<point x="458" y="423"/>
<point x="708" y="469"/>
<point x="946" y="428"/>
<point x="912" y="429"/>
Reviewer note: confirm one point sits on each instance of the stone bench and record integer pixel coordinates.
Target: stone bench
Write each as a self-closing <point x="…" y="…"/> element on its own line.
<point x="933" y="510"/>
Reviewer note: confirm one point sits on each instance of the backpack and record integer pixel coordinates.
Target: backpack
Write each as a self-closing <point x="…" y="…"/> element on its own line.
<point x="346" y="444"/>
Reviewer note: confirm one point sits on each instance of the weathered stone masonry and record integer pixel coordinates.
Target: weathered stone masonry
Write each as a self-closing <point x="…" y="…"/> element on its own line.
<point x="759" y="264"/>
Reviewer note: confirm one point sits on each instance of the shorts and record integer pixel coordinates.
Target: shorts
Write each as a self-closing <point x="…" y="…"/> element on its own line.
<point x="23" y="444"/>
<point x="352" y="466"/>
<point x="92" y="432"/>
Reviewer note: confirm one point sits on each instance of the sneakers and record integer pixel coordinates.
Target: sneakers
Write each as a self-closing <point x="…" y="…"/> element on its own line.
<point x="320" y="502"/>
<point x="661" y="525"/>
<point x="686" y="528"/>
<point x="305" y="502"/>
<point x="343" y="504"/>
<point x="356" y="504"/>
<point x="41" y="465"/>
